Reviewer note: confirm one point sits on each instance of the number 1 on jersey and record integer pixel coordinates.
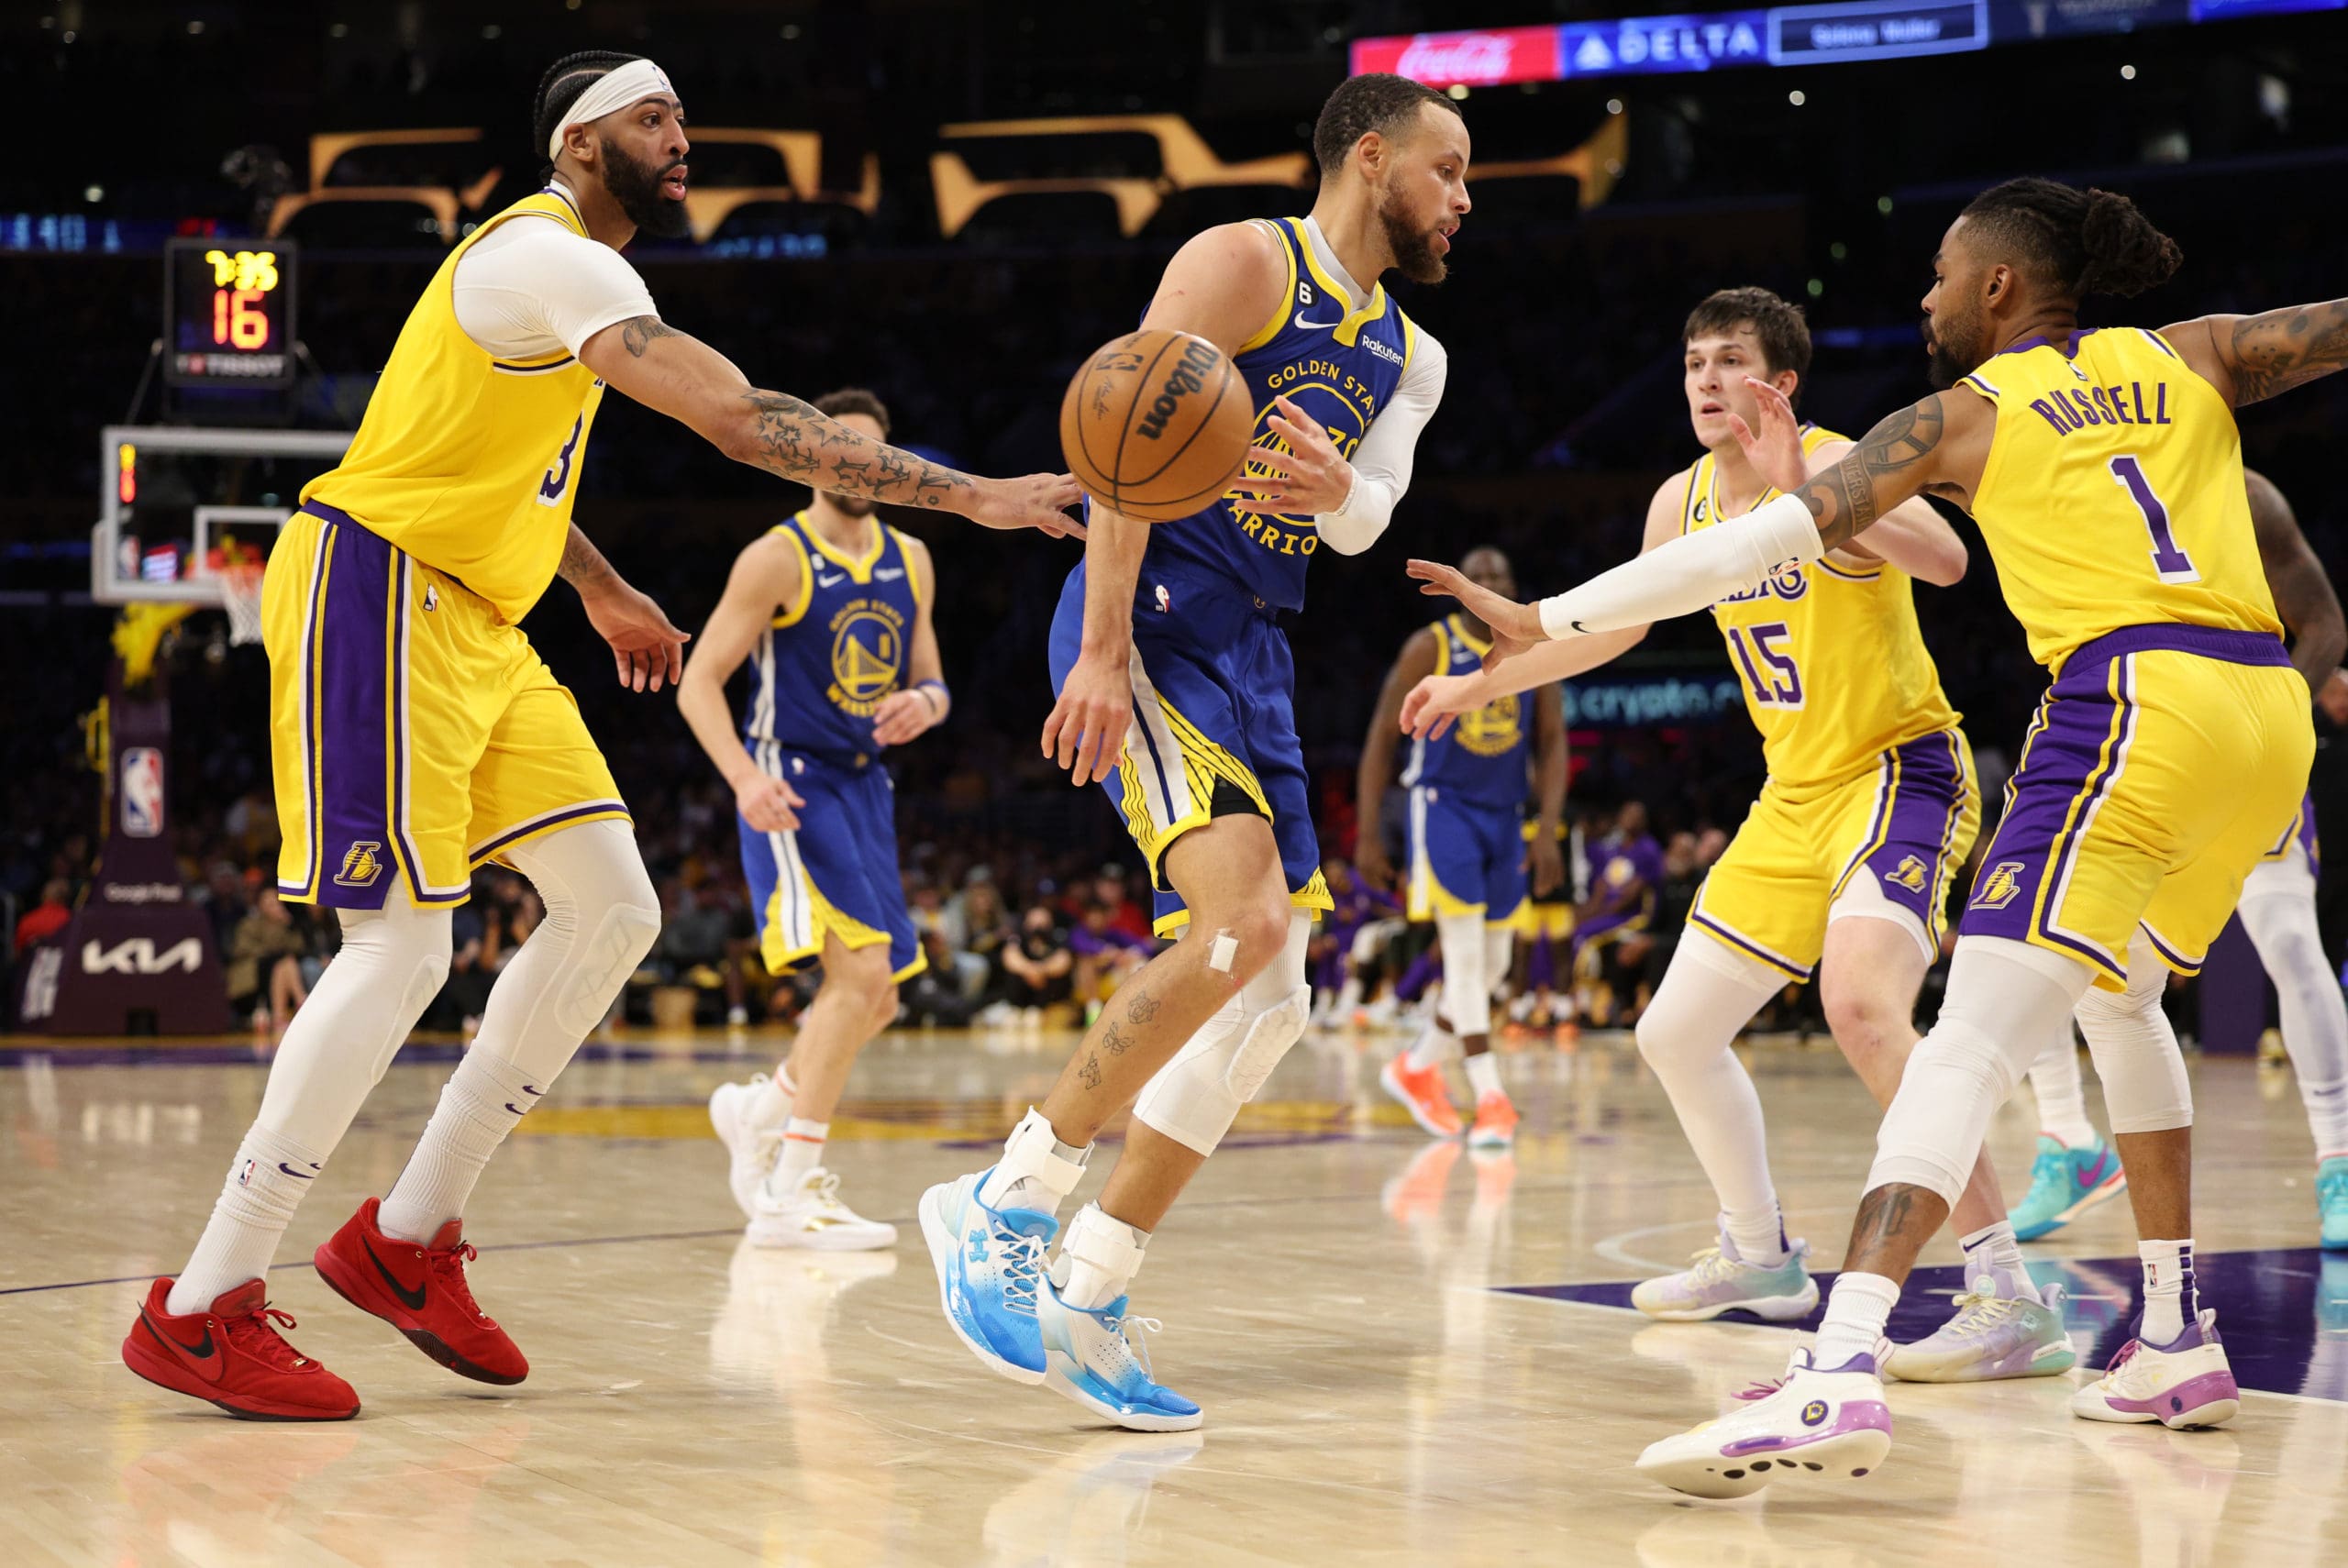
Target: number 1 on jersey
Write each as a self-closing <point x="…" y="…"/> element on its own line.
<point x="2172" y="563"/>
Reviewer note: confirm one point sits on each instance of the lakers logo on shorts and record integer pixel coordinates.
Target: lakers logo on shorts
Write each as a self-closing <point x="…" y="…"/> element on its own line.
<point x="1910" y="875"/>
<point x="362" y="864"/>
<point x="867" y="655"/>
<point x="1491" y="730"/>
<point x="1813" y="1413"/>
<point x="2001" y="886"/>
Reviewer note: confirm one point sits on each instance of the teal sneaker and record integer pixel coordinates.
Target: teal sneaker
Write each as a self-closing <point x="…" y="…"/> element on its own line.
<point x="2332" y="1201"/>
<point x="1992" y="1336"/>
<point x="1717" y="1280"/>
<point x="1093" y="1358"/>
<point x="2067" y="1183"/>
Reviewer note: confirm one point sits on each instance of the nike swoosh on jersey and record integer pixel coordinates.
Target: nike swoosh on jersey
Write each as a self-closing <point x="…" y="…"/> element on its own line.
<point x="1305" y="325"/>
<point x="207" y="1357"/>
<point x="411" y="1299"/>
<point x="890" y="574"/>
<point x="823" y="581"/>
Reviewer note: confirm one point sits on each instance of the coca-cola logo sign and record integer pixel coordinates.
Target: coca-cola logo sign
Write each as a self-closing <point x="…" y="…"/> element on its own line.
<point x="1483" y="59"/>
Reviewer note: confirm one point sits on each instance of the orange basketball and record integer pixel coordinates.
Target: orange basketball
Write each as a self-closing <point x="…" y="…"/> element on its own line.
<point x="1157" y="424"/>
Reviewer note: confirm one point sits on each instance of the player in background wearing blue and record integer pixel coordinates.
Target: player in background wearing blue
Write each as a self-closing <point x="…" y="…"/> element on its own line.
<point x="1467" y="851"/>
<point x="2076" y="1168"/>
<point x="2104" y="467"/>
<point x="1176" y="694"/>
<point x="832" y="610"/>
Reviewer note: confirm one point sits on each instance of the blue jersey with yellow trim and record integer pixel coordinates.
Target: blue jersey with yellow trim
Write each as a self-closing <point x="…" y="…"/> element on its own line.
<point x="1340" y="367"/>
<point x="1482" y="757"/>
<point x="828" y="659"/>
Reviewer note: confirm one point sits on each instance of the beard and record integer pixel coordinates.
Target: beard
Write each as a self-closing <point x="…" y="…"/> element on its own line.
<point x="1414" y="253"/>
<point x="636" y="188"/>
<point x="854" y="505"/>
<point x="1955" y="352"/>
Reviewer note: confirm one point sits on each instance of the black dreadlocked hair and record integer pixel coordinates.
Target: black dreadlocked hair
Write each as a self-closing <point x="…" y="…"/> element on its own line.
<point x="560" y="86"/>
<point x="2083" y="242"/>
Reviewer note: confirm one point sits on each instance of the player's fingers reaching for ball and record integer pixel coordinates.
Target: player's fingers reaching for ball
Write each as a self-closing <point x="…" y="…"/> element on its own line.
<point x="1439" y="579"/>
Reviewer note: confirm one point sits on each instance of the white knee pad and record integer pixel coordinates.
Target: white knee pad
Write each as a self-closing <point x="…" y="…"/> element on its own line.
<point x="2145" y="1086"/>
<point x="603" y="917"/>
<point x="1195" y="1098"/>
<point x="1466" y="986"/>
<point x="406" y="948"/>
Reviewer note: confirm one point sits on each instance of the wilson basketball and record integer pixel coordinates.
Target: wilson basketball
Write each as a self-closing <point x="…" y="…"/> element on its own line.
<point x="1157" y="424"/>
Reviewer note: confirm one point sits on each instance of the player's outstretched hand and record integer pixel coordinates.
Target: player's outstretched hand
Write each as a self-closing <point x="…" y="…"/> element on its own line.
<point x="647" y="648"/>
<point x="1775" y="449"/>
<point x="1085" y="732"/>
<point x="1039" y="500"/>
<point x="1309" y="478"/>
<point x="901" y="716"/>
<point x="768" y="804"/>
<point x="1515" y="627"/>
<point x="1430" y="707"/>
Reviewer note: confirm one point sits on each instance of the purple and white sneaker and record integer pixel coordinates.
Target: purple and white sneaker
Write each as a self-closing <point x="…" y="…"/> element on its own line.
<point x="1826" y="1422"/>
<point x="1993" y="1335"/>
<point x="1719" y="1280"/>
<point x="2185" y="1383"/>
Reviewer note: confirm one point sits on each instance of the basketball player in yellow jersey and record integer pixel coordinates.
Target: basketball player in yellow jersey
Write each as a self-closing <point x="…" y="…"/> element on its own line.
<point x="417" y="734"/>
<point x="1842" y="867"/>
<point x="2170" y="752"/>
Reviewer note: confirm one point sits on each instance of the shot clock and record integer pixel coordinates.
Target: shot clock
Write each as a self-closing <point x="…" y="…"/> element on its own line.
<point x="228" y="313"/>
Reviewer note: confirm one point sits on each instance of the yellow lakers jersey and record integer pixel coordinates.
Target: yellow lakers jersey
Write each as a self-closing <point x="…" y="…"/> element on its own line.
<point x="2113" y="492"/>
<point x="467" y="462"/>
<point x="1833" y="668"/>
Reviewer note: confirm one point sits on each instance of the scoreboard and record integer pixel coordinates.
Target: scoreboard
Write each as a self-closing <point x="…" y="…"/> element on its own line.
<point x="228" y="313"/>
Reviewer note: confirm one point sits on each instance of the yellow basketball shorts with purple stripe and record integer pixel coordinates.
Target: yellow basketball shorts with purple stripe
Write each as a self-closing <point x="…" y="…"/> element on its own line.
<point x="413" y="733"/>
<point x="2164" y="762"/>
<point x="1903" y="828"/>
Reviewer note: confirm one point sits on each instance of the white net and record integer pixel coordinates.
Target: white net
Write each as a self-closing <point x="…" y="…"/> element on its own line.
<point x="241" y="597"/>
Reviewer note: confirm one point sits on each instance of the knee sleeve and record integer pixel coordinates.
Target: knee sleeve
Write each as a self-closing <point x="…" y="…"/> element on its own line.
<point x="1467" y="988"/>
<point x="2135" y="1050"/>
<point x="2315" y="1015"/>
<point x="1708" y="994"/>
<point x="391" y="965"/>
<point x="602" y="919"/>
<point x="1195" y="1098"/>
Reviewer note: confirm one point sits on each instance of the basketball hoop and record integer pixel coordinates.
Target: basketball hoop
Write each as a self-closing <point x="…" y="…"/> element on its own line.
<point x="241" y="597"/>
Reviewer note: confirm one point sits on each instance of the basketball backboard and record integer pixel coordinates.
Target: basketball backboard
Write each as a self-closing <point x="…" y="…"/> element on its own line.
<point x="176" y="500"/>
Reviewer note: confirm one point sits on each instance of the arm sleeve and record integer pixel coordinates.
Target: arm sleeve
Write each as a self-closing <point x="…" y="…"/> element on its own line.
<point x="544" y="287"/>
<point x="1692" y="572"/>
<point x="1382" y="462"/>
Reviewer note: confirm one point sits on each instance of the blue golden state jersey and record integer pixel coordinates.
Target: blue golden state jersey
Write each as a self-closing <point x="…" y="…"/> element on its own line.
<point x="828" y="659"/>
<point x="1482" y="757"/>
<point x="1340" y="367"/>
<point x="468" y="462"/>
<point x="1833" y="666"/>
<point x="2113" y="492"/>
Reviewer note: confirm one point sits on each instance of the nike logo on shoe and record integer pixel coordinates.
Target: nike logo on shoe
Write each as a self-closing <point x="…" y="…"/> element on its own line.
<point x="2093" y="1175"/>
<point x="411" y="1299"/>
<point x="206" y="1356"/>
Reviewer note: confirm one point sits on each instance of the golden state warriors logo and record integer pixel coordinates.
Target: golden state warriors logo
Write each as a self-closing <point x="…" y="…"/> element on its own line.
<point x="1491" y="730"/>
<point x="1998" y="886"/>
<point x="362" y="864"/>
<point x="1342" y="404"/>
<point x="1910" y="874"/>
<point x="867" y="655"/>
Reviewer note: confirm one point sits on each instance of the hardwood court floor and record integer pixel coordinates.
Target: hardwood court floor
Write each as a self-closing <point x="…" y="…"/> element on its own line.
<point x="1328" y="1292"/>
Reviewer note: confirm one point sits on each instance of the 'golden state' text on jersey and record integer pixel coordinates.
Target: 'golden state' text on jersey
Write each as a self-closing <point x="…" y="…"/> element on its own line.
<point x="1340" y="367"/>
<point x="2113" y="492"/>
<point x="466" y="462"/>
<point x="823" y="666"/>
<point x="1834" y="669"/>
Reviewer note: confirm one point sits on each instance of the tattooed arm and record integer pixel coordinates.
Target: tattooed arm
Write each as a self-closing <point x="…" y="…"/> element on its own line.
<point x="685" y="379"/>
<point x="2302" y="590"/>
<point x="2252" y="358"/>
<point x="1938" y="446"/>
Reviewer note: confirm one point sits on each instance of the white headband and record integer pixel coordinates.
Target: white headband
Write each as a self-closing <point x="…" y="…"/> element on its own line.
<point x="612" y="91"/>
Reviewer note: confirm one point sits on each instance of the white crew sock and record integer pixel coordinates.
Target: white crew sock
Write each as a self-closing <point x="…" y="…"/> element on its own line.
<point x="771" y="1099"/>
<point x="1855" y="1314"/>
<point x="1098" y="1259"/>
<point x="1758" y="1235"/>
<point x="1434" y="1046"/>
<point x="1993" y="1254"/>
<point x="479" y="1105"/>
<point x="802" y="1151"/>
<point x="1484" y="1075"/>
<point x="2062" y="1097"/>
<point x="265" y="1185"/>
<point x="2170" y="1297"/>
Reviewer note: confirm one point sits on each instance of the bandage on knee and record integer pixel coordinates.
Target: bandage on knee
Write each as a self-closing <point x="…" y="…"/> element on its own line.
<point x="1194" y="1098"/>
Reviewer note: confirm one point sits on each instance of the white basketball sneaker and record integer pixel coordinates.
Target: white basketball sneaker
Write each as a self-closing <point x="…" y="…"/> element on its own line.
<point x="1719" y="1280"/>
<point x="2186" y="1383"/>
<point x="751" y="1149"/>
<point x="1092" y="1358"/>
<point x="812" y="1215"/>
<point x="1830" y="1423"/>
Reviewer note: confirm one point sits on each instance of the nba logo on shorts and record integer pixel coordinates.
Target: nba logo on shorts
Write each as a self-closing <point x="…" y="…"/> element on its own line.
<point x="360" y="866"/>
<point x="142" y="792"/>
<point x="2000" y="887"/>
<point x="1164" y="600"/>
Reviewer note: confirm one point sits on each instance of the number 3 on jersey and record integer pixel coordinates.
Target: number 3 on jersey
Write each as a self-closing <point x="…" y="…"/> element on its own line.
<point x="558" y="472"/>
<point x="1768" y="663"/>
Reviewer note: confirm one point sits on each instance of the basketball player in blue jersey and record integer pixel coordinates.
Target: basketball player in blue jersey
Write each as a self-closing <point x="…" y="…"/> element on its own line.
<point x="1467" y="851"/>
<point x="416" y="734"/>
<point x="832" y="610"/>
<point x="2169" y="755"/>
<point x="1176" y="694"/>
<point x="2076" y="1168"/>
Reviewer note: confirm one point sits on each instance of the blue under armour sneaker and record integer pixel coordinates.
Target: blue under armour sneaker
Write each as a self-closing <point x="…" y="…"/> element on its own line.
<point x="2332" y="1201"/>
<point x="2065" y="1184"/>
<point x="1095" y="1361"/>
<point x="989" y="1263"/>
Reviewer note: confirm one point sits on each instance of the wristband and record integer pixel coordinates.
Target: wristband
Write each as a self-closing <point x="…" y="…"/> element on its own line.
<point x="937" y="702"/>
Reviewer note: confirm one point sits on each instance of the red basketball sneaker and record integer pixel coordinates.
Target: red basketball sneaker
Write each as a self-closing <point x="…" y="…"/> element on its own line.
<point x="233" y="1355"/>
<point x="421" y="1292"/>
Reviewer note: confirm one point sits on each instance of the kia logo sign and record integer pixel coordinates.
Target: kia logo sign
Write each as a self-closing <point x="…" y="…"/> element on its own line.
<point x="138" y="956"/>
